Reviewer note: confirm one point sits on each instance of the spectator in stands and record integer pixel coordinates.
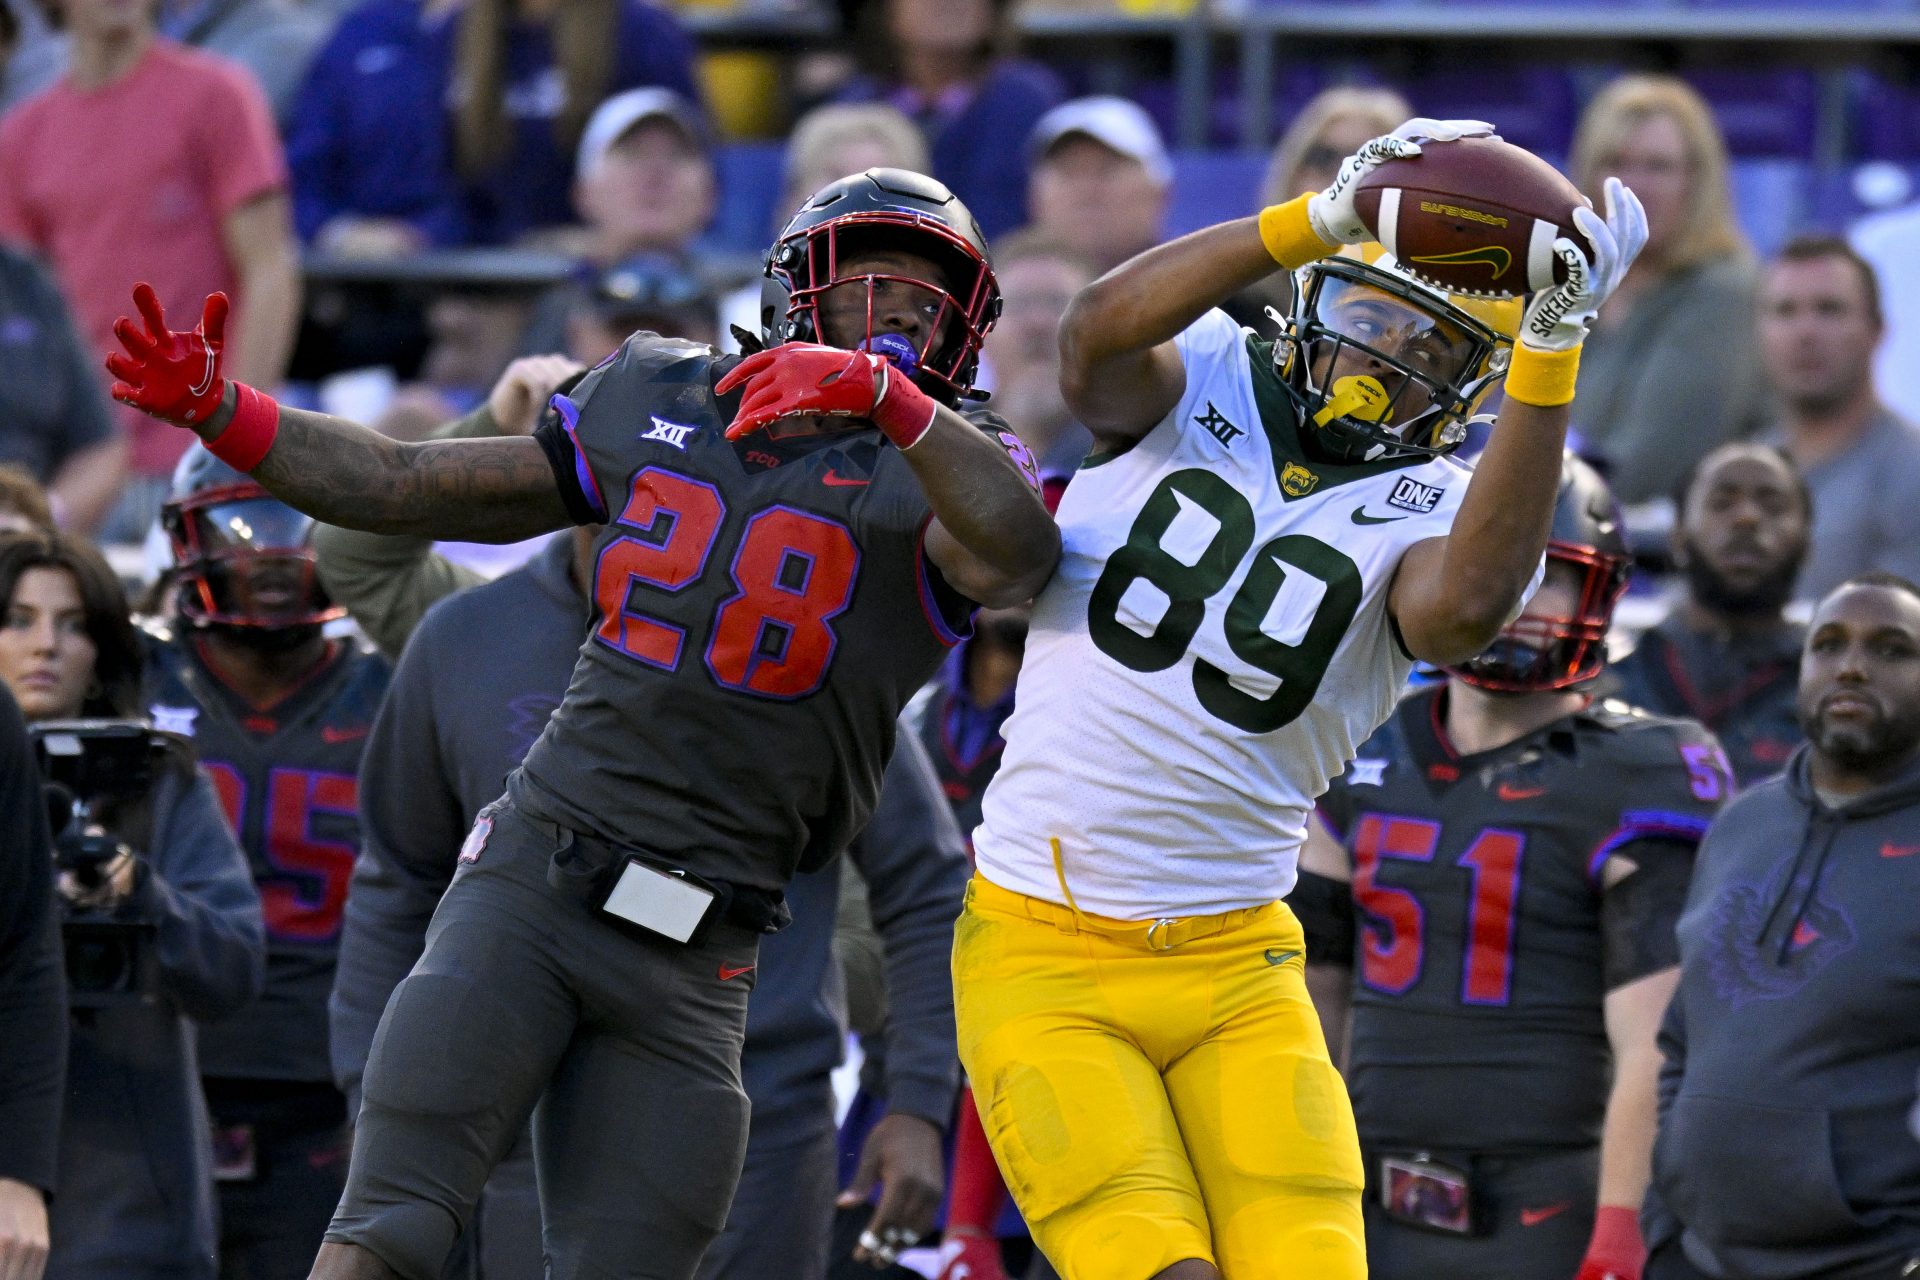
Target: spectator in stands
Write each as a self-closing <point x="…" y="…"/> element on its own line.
<point x="1819" y="321"/>
<point x="1790" y="1048"/>
<point x="33" y="1006"/>
<point x="372" y="176"/>
<point x="53" y="410"/>
<point x="1038" y="278"/>
<point x="24" y="507"/>
<point x="1726" y="655"/>
<point x="274" y="39"/>
<point x="829" y="142"/>
<point x="152" y="161"/>
<point x="526" y="77"/>
<point x="1670" y="370"/>
<point x="32" y="53"/>
<point x="645" y="188"/>
<point x="472" y="335"/>
<point x="135" y="1183"/>
<point x="948" y="65"/>
<point x="655" y="294"/>
<point x="1332" y="126"/>
<point x="1101" y="177"/>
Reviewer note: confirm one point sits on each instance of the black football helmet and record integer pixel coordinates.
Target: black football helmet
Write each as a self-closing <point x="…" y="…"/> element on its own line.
<point x="876" y="210"/>
<point x="242" y="557"/>
<point x="1383" y="365"/>
<point x="1551" y="652"/>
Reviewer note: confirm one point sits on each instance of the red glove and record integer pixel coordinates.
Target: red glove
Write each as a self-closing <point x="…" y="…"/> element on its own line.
<point x="171" y="375"/>
<point x="1614" y="1251"/>
<point x="968" y="1255"/>
<point x="804" y="379"/>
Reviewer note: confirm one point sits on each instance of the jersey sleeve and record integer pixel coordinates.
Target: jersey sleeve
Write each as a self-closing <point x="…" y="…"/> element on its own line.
<point x="1679" y="780"/>
<point x="560" y="434"/>
<point x="1211" y="350"/>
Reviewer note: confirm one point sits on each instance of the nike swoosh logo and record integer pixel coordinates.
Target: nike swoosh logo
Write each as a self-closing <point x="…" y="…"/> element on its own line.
<point x="1534" y="1217"/>
<point x="1891" y="850"/>
<point x="1360" y="516"/>
<point x="330" y="734"/>
<point x="1508" y="791"/>
<point x="834" y="480"/>
<point x="205" y="384"/>
<point x="1491" y="256"/>
<point x="1279" y="957"/>
<point x="728" y="972"/>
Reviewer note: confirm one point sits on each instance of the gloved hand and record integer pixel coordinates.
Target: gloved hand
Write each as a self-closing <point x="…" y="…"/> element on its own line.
<point x="968" y="1254"/>
<point x="1331" y="212"/>
<point x="173" y="376"/>
<point x="1557" y="318"/>
<point x="1615" y="1251"/>
<point x="804" y="379"/>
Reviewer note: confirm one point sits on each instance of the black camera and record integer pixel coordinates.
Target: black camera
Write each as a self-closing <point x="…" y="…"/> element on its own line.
<point x="89" y="768"/>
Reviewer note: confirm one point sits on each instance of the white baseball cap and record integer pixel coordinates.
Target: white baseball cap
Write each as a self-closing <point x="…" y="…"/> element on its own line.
<point x="613" y="119"/>
<point x="1115" y="123"/>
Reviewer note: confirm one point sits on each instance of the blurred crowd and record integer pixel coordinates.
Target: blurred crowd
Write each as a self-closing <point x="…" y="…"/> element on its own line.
<point x="430" y="213"/>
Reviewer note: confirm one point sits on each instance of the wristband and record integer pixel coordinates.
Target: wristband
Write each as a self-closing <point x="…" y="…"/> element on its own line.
<point x="250" y="432"/>
<point x="902" y="411"/>
<point x="1615" y="1246"/>
<point x="1289" y="235"/>
<point x="1542" y="378"/>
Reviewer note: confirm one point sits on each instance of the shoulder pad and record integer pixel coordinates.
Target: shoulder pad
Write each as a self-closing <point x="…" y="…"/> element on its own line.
<point x="648" y="352"/>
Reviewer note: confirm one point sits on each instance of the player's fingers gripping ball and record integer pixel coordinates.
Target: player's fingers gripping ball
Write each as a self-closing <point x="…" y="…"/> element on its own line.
<point x="804" y="379"/>
<point x="1557" y="319"/>
<point x="172" y="374"/>
<point x="1332" y="212"/>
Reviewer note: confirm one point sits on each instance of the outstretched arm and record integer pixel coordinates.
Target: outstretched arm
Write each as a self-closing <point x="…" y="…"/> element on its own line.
<point x="334" y="470"/>
<point x="1119" y="371"/>
<point x="1452" y="595"/>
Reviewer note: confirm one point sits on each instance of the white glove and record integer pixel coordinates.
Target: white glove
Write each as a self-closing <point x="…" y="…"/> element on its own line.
<point x="1332" y="213"/>
<point x="1557" y="318"/>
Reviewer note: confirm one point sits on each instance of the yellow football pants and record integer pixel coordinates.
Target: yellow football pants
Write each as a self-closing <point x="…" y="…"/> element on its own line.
<point x="1156" y="1091"/>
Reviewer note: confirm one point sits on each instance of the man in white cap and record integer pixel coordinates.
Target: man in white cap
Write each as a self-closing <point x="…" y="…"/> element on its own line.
<point x="644" y="179"/>
<point x="1100" y="178"/>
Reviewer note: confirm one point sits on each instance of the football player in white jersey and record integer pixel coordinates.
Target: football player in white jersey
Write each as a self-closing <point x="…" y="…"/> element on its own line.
<point x="1264" y="541"/>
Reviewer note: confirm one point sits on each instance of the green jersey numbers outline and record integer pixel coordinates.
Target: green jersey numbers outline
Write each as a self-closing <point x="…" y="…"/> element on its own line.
<point x="1298" y="667"/>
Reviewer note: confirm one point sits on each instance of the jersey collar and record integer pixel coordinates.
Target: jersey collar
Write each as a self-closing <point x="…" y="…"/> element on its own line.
<point x="1298" y="471"/>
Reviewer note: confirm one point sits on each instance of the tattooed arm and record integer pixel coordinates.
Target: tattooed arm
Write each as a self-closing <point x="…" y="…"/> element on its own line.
<point x="495" y="490"/>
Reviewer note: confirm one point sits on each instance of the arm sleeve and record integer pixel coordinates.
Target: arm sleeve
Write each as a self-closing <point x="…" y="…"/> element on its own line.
<point x="199" y="892"/>
<point x="915" y="866"/>
<point x="859" y="953"/>
<point x="1639" y="915"/>
<point x="33" y="985"/>
<point x="388" y="581"/>
<point x="411" y="828"/>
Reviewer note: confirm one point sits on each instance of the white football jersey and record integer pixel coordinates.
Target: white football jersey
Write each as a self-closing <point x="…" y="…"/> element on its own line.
<point x="1211" y="651"/>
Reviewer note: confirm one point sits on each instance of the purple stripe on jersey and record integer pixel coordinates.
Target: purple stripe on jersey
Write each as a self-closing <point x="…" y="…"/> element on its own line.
<point x="1647" y="824"/>
<point x="928" y="605"/>
<point x="583" y="474"/>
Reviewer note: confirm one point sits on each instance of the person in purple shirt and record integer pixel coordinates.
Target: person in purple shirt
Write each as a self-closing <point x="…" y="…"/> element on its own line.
<point x="945" y="63"/>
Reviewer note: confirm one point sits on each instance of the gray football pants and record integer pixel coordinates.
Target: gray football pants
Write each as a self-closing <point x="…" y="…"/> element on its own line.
<point x="624" y="1050"/>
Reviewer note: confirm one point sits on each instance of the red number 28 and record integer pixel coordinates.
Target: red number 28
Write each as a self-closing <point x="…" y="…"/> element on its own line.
<point x="793" y="573"/>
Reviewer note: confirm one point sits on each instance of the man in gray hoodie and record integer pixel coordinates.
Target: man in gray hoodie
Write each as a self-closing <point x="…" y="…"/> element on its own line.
<point x="1793" y="1041"/>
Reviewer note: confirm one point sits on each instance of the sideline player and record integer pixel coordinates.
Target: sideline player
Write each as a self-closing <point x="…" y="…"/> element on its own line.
<point x="765" y="599"/>
<point x="1267" y="537"/>
<point x="1517" y="856"/>
<point x="279" y="715"/>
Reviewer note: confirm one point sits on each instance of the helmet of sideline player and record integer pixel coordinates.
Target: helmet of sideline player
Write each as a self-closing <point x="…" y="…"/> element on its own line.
<point x="887" y="209"/>
<point x="1557" y="651"/>
<point x="242" y="557"/>
<point x="1382" y="365"/>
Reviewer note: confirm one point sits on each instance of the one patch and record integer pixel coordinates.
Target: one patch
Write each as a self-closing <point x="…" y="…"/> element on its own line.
<point x="673" y="433"/>
<point x="1411" y="495"/>
<point x="1367" y="773"/>
<point x="1296" y="481"/>
<point x="476" y="839"/>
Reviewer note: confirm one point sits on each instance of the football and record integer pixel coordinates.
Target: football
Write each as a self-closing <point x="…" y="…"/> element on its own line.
<point x="1478" y="216"/>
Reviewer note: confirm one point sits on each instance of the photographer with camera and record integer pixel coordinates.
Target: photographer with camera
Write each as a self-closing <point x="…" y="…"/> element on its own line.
<point x="33" y="1008"/>
<point x="161" y="920"/>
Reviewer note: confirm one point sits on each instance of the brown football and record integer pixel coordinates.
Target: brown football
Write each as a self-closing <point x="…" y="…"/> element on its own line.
<point x="1475" y="216"/>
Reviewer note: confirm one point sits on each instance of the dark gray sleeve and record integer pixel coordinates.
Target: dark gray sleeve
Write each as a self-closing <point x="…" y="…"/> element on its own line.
<point x="211" y="941"/>
<point x="411" y="826"/>
<point x="915" y="865"/>
<point x="79" y="414"/>
<point x="33" y="985"/>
